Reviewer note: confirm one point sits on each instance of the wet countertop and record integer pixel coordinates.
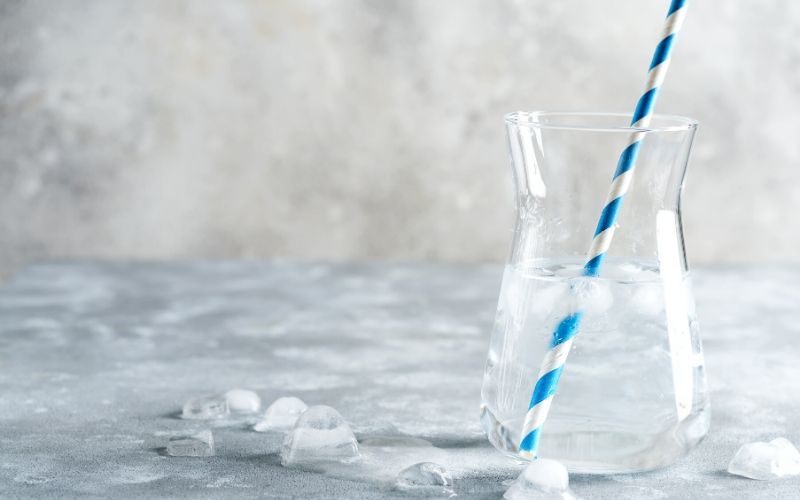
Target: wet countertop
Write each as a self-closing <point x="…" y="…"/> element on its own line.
<point x="97" y="359"/>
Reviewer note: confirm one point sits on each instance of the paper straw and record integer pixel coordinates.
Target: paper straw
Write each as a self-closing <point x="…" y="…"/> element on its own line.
<point x="567" y="328"/>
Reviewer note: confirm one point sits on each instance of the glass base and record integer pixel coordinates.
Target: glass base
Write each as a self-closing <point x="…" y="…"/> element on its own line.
<point x="604" y="451"/>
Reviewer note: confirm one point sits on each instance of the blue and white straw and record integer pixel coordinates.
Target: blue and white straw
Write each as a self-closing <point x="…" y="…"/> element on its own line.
<point x="567" y="328"/>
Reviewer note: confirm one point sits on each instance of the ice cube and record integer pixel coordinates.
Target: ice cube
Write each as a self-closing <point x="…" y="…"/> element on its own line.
<point x="623" y="271"/>
<point x="513" y="284"/>
<point x="567" y="270"/>
<point x="550" y="299"/>
<point x="647" y="299"/>
<point x="319" y="435"/>
<point x="759" y="460"/>
<point x="281" y="415"/>
<point x="206" y="408"/>
<point x="542" y="479"/>
<point x="196" y="445"/>
<point x="591" y="295"/>
<point x="242" y="401"/>
<point x="426" y="479"/>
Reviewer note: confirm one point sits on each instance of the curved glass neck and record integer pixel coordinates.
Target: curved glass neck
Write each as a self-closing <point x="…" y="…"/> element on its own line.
<point x="563" y="164"/>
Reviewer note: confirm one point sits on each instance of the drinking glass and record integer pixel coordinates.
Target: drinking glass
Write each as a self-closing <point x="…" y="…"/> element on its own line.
<point x="632" y="395"/>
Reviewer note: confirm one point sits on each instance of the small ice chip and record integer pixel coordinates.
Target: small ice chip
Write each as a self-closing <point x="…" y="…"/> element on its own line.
<point x="242" y="401"/>
<point x="281" y="415"/>
<point x="759" y="460"/>
<point x="425" y="479"/>
<point x="205" y="408"/>
<point x="196" y="445"/>
<point x="542" y="479"/>
<point x="319" y="435"/>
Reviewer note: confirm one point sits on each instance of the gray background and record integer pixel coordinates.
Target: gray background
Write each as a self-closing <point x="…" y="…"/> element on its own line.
<point x="363" y="128"/>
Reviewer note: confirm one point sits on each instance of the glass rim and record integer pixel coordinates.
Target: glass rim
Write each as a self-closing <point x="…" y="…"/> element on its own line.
<point x="532" y="119"/>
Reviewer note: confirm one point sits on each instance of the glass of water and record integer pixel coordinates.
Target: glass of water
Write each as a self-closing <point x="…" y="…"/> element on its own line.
<point x="633" y="394"/>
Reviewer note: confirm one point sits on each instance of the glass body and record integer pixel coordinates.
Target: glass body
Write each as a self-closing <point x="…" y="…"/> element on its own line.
<point x="632" y="395"/>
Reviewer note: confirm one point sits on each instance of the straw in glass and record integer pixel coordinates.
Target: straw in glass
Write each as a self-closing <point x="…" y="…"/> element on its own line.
<point x="567" y="328"/>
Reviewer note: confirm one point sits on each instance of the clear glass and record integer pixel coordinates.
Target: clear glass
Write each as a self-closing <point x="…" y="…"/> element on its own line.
<point x="633" y="394"/>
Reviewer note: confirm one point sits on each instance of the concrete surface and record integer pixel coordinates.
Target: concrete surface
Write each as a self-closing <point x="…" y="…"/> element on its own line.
<point x="97" y="358"/>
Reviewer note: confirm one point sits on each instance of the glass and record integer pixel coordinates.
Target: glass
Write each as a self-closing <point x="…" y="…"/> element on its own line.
<point x="633" y="394"/>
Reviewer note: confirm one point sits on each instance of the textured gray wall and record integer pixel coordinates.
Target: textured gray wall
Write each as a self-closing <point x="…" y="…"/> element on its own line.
<point x="365" y="128"/>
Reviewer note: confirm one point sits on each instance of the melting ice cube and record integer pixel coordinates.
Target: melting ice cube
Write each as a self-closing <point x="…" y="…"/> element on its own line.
<point x="196" y="445"/>
<point x="242" y="401"/>
<point x="542" y="479"/>
<point x="205" y="408"/>
<point x="281" y="415"/>
<point x="760" y="460"/>
<point x="319" y="435"/>
<point x="426" y="479"/>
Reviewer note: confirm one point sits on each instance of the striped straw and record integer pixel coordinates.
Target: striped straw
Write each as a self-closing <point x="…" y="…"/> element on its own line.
<point x="567" y="328"/>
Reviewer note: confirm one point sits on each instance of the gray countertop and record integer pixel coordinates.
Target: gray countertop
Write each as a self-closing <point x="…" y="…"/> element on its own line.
<point x="97" y="358"/>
